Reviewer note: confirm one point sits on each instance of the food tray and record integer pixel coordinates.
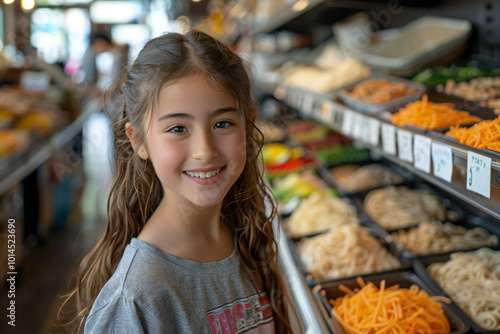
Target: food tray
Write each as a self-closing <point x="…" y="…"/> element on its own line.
<point x="458" y="104"/>
<point x="311" y="281"/>
<point x="420" y="266"/>
<point x="284" y="216"/>
<point x="448" y="204"/>
<point x="469" y="222"/>
<point x="342" y="154"/>
<point x="407" y="177"/>
<point x="324" y="292"/>
<point x="391" y="106"/>
<point x="419" y="42"/>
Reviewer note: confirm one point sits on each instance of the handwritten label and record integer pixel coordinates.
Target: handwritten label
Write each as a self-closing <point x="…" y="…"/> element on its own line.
<point x="405" y="151"/>
<point x="389" y="139"/>
<point x="308" y="104"/>
<point x="479" y="173"/>
<point x="359" y="122"/>
<point x="347" y="122"/>
<point x="422" y="153"/>
<point x="442" y="161"/>
<point x="373" y="133"/>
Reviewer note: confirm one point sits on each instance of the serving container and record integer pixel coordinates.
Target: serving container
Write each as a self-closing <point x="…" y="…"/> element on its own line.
<point x="391" y="106"/>
<point x="324" y="292"/>
<point x="420" y="266"/>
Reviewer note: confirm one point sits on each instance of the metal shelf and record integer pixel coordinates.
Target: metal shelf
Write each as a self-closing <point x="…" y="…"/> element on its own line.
<point x="15" y="169"/>
<point x="308" y="308"/>
<point x="283" y="16"/>
<point x="313" y="106"/>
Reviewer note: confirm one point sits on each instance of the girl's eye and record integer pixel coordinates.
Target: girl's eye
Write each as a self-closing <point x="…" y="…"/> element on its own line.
<point x="222" y="124"/>
<point x="177" y="129"/>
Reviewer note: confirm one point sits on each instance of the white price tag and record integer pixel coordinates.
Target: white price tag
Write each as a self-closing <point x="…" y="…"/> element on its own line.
<point x="347" y="122"/>
<point x="479" y="173"/>
<point x="442" y="161"/>
<point x="389" y="139"/>
<point x="298" y="100"/>
<point x="35" y="81"/>
<point x="328" y="112"/>
<point x="359" y="122"/>
<point x="308" y="104"/>
<point x="373" y="133"/>
<point x="405" y="151"/>
<point x="422" y="153"/>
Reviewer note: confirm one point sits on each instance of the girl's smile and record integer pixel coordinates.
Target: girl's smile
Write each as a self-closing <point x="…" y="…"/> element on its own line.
<point x="206" y="176"/>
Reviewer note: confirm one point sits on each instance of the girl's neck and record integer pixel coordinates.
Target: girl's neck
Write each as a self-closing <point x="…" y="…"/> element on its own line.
<point x="189" y="232"/>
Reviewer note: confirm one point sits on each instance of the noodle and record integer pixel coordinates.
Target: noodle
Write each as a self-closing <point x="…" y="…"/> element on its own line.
<point x="346" y="250"/>
<point x="472" y="280"/>
<point x="398" y="207"/>
<point x="436" y="237"/>
<point x="318" y="213"/>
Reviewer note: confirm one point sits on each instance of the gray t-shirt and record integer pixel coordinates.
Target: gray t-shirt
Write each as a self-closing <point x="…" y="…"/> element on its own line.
<point x="155" y="292"/>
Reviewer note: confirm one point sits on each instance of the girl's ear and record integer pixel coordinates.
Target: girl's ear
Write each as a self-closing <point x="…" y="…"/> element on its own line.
<point x="141" y="150"/>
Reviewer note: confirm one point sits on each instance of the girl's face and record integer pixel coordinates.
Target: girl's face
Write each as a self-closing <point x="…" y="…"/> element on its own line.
<point x="197" y="142"/>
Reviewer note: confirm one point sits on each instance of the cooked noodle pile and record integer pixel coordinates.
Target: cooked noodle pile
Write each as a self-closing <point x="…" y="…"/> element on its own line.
<point x="472" y="280"/>
<point x="319" y="213"/>
<point x="397" y="207"/>
<point x="436" y="237"/>
<point x="347" y="250"/>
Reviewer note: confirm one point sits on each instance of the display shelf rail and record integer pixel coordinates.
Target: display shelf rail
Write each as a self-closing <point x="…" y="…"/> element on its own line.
<point x="360" y="127"/>
<point x="308" y="308"/>
<point x="15" y="169"/>
<point x="283" y="16"/>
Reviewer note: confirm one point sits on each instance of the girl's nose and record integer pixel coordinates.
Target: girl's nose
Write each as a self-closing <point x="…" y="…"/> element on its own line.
<point x="204" y="147"/>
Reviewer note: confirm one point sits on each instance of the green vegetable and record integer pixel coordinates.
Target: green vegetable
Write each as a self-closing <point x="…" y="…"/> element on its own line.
<point x="343" y="154"/>
<point x="440" y="75"/>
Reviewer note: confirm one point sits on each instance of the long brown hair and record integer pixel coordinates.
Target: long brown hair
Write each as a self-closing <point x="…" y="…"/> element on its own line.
<point x="137" y="192"/>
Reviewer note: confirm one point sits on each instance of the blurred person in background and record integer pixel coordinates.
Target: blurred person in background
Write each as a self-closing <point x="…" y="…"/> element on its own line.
<point x="99" y="43"/>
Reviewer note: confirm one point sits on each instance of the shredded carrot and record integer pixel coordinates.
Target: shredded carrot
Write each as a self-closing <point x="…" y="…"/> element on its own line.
<point x="429" y="115"/>
<point x="485" y="134"/>
<point x="389" y="310"/>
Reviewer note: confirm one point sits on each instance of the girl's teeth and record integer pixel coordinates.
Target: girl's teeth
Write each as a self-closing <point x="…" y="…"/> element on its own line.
<point x="204" y="175"/>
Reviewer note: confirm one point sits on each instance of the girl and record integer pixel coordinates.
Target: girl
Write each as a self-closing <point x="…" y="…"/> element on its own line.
<point x="189" y="247"/>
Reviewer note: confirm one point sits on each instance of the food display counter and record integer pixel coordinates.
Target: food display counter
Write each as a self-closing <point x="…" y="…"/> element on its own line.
<point x="324" y="132"/>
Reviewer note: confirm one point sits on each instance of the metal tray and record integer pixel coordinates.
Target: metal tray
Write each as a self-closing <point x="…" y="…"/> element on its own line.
<point x="469" y="222"/>
<point x="311" y="281"/>
<point x="420" y="265"/>
<point x="324" y="292"/>
<point x="448" y="204"/>
<point x="391" y="106"/>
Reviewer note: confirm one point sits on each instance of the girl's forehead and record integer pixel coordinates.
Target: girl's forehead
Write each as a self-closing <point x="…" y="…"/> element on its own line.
<point x="194" y="91"/>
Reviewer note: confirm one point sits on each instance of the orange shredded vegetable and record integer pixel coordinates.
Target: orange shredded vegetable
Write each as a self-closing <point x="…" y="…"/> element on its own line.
<point x="485" y="134"/>
<point x="429" y="115"/>
<point x="389" y="310"/>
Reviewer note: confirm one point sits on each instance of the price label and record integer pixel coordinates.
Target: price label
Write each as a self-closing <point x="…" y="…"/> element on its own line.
<point x="35" y="81"/>
<point x="359" y="123"/>
<point x="328" y="112"/>
<point x="389" y="139"/>
<point x="347" y="122"/>
<point x="298" y="99"/>
<point x="479" y="174"/>
<point x="442" y="161"/>
<point x="373" y="133"/>
<point x="405" y="151"/>
<point x="308" y="104"/>
<point x="422" y="153"/>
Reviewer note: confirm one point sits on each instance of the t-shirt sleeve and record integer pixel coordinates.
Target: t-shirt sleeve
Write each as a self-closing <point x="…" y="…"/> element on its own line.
<point x="122" y="315"/>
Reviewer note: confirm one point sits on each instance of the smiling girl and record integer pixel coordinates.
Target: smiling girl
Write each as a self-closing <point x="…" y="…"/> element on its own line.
<point x="189" y="246"/>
